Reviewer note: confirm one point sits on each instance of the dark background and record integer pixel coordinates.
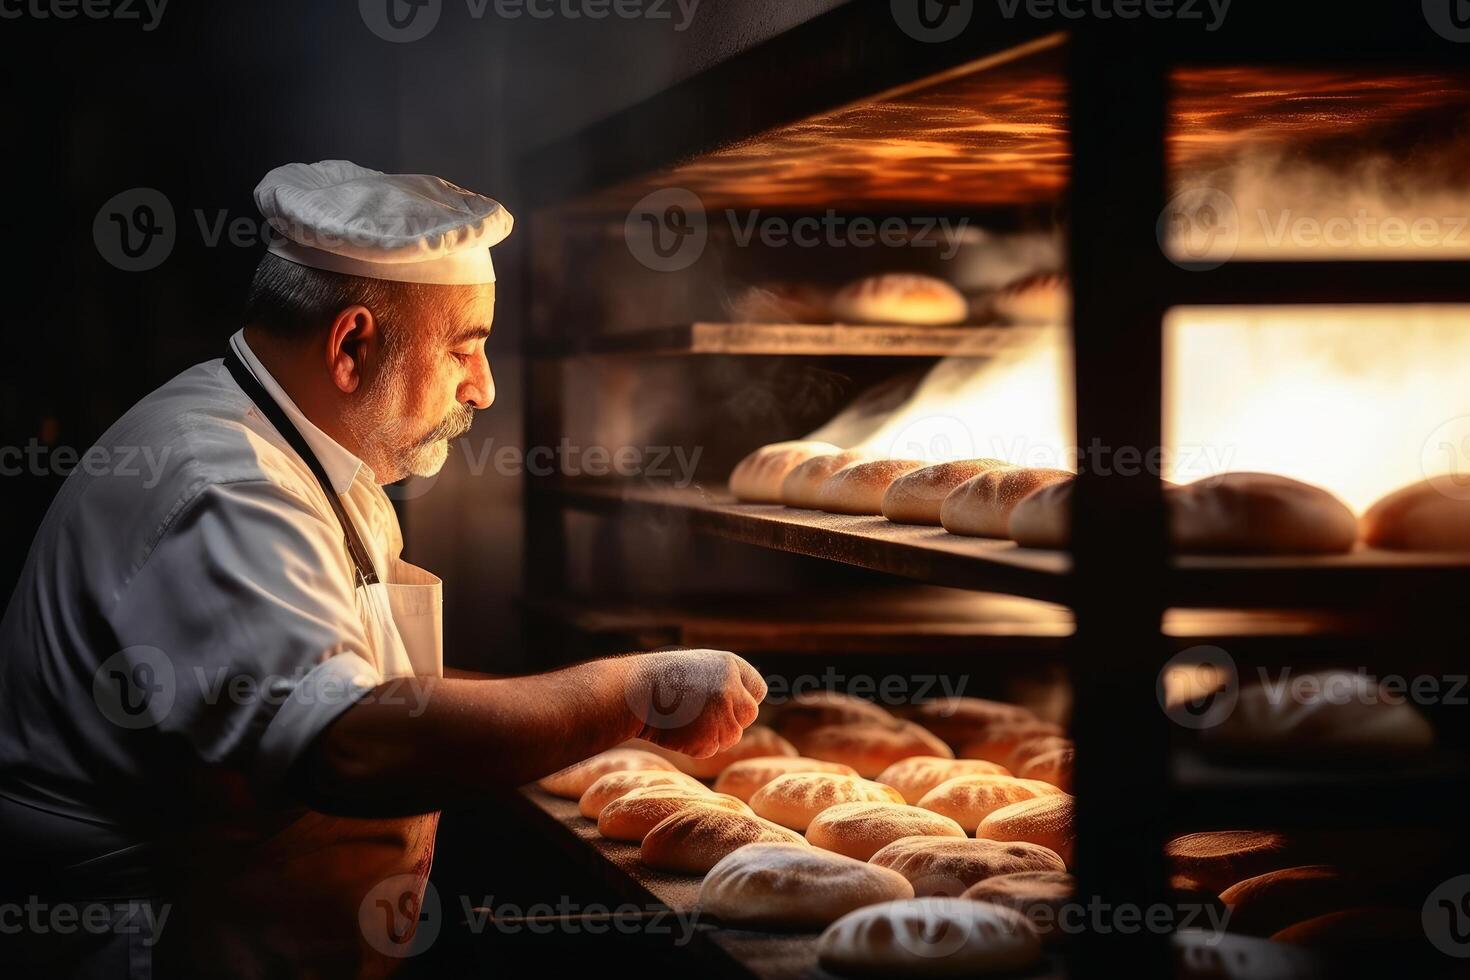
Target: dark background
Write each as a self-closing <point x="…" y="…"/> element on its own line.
<point x="199" y="108"/>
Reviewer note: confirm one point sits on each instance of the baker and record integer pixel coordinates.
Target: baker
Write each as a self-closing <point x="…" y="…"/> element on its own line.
<point x="227" y="729"/>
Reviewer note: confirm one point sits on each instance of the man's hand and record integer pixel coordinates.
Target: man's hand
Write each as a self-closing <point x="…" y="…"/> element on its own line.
<point x="697" y="702"/>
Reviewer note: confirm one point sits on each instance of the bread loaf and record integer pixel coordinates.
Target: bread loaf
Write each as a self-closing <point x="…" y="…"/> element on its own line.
<point x="982" y="506"/>
<point x="958" y="720"/>
<point x="918" y="774"/>
<point x="900" y="298"/>
<point x="757" y="478"/>
<point x="814" y="709"/>
<point x="860" y="829"/>
<point x="802" y="485"/>
<point x="949" y="865"/>
<point x="1053" y="767"/>
<point x="693" y="840"/>
<point x="915" y="498"/>
<point x="795" y="799"/>
<point x="1041" y="896"/>
<point x="789" y="886"/>
<point x="631" y="816"/>
<point x="1429" y="516"/>
<point x="1218" y="859"/>
<point x="970" y="799"/>
<point x="929" y="937"/>
<point x="859" y="488"/>
<point x="742" y="779"/>
<point x="997" y="743"/>
<point x="573" y="781"/>
<point x="757" y="741"/>
<point x="615" y="784"/>
<point x="1045" y="820"/>
<point x="869" y="748"/>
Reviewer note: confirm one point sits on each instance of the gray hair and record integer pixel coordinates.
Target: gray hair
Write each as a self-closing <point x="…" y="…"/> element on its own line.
<point x="291" y="301"/>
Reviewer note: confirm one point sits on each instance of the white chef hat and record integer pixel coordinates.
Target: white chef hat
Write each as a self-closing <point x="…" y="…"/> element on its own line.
<point x="337" y="216"/>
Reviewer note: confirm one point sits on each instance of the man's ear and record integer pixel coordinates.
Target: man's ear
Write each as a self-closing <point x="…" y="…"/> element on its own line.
<point x="351" y="344"/>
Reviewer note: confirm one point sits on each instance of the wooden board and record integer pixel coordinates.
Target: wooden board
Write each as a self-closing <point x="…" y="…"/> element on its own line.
<point x="822" y="340"/>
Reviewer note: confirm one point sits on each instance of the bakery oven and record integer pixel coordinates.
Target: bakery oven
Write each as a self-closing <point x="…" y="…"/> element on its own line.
<point x="1150" y="257"/>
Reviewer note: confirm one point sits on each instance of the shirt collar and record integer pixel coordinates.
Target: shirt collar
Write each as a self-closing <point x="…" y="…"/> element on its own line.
<point x="342" y="467"/>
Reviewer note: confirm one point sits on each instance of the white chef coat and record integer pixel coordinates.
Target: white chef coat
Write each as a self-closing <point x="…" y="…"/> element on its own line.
<point x="187" y="622"/>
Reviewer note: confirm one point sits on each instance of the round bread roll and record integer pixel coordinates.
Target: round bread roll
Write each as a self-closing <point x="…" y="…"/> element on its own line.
<point x="1336" y="716"/>
<point x="615" y="784"/>
<point x="694" y="839"/>
<point x="948" y="866"/>
<point x="814" y="709"/>
<point x="899" y="298"/>
<point x="791" y="886"/>
<point x="1029" y="748"/>
<point x="1381" y="931"/>
<point x="1257" y="514"/>
<point x="958" y="720"/>
<point x="870" y="748"/>
<point x="1044" y="519"/>
<point x="967" y="800"/>
<point x="1041" y="896"/>
<point x="1044" y="298"/>
<point x="757" y="478"/>
<point x="802" y="485"/>
<point x="742" y="779"/>
<point x="981" y="507"/>
<point x="915" y="498"/>
<point x="1420" y="517"/>
<point x="573" y="781"/>
<point x="859" y="488"/>
<point x="1270" y="902"/>
<point x="1218" y="859"/>
<point x="632" y="815"/>
<point x="1045" y="820"/>
<point x="793" y="800"/>
<point x="1053" y="767"/>
<point x="781" y="302"/>
<point x="859" y="830"/>
<point x="929" y="937"/>
<point x="918" y="774"/>
<point x="997" y="742"/>
<point x="757" y="741"/>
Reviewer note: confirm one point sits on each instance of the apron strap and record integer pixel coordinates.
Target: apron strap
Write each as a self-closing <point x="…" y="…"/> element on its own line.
<point x="256" y="392"/>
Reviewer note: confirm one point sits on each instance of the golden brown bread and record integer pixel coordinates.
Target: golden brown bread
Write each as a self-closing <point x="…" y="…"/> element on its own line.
<point x="795" y="799"/>
<point x="860" y="829"/>
<point x="1045" y="820"/>
<point x="982" y="506"/>
<point x="787" y="886"/>
<point x="958" y="719"/>
<point x="813" y="709"/>
<point x="950" y="865"/>
<point x="632" y="815"/>
<point x="918" y="774"/>
<point x="693" y="840"/>
<point x="802" y="485"/>
<point x="900" y="298"/>
<point x="1029" y="748"/>
<point x="1270" y="902"/>
<point x="869" y="748"/>
<point x="742" y="779"/>
<point x="615" y="784"/>
<point x="929" y="937"/>
<point x="970" y="799"/>
<point x="915" y="498"/>
<point x="1042" y="298"/>
<point x="1430" y="516"/>
<point x="1218" y="859"/>
<point x="1053" y="767"/>
<point x="997" y="742"/>
<point x="757" y="478"/>
<point x="573" y="781"/>
<point x="859" y="488"/>
<point x="1041" y="896"/>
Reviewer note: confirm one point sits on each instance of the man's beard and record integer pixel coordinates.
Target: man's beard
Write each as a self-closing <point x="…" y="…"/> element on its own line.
<point x="377" y="424"/>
